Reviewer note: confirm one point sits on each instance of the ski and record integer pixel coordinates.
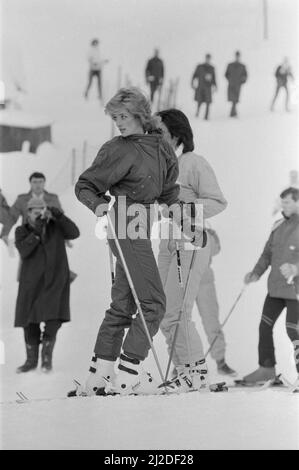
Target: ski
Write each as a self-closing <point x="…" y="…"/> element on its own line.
<point x="78" y="394"/>
<point x="279" y="382"/>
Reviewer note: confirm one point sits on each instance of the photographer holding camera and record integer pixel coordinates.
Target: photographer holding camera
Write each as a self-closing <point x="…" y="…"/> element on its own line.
<point x="44" y="283"/>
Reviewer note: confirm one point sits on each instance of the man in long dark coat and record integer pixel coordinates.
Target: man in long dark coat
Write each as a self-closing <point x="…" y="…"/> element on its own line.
<point x="154" y="74"/>
<point x="204" y="83"/>
<point x="236" y="74"/>
<point x="44" y="284"/>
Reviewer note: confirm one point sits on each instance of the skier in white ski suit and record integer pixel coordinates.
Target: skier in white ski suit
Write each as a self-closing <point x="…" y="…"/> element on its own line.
<point x="198" y="184"/>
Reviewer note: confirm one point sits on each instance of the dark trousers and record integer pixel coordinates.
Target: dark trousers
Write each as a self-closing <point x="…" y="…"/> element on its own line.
<point x="98" y="75"/>
<point x="199" y="103"/>
<point x="278" y="88"/>
<point x="34" y="335"/>
<point x="119" y="317"/>
<point x="233" y="111"/>
<point x="271" y="311"/>
<point x="154" y="86"/>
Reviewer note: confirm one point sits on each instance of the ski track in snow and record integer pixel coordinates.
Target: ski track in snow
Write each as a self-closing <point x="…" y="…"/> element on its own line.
<point x="251" y="157"/>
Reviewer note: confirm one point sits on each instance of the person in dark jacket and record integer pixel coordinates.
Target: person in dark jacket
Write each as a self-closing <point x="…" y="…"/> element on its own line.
<point x="138" y="168"/>
<point x="281" y="252"/>
<point x="37" y="183"/>
<point x="282" y="75"/>
<point x="44" y="284"/>
<point x="154" y="74"/>
<point x="236" y="75"/>
<point x="204" y="83"/>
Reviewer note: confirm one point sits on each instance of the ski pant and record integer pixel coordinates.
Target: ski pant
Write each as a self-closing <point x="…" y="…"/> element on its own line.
<point x="278" y="88"/>
<point x="154" y="86"/>
<point x="145" y="276"/>
<point x="98" y="75"/>
<point x="34" y="335"/>
<point x="188" y="346"/>
<point x="208" y="308"/>
<point x="271" y="311"/>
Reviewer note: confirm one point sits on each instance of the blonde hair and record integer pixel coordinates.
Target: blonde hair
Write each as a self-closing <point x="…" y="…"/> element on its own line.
<point x="135" y="102"/>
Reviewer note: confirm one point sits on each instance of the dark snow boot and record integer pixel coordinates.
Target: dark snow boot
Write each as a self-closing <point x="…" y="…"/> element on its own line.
<point x="224" y="369"/>
<point x="262" y="374"/>
<point x="47" y="353"/>
<point x="32" y="359"/>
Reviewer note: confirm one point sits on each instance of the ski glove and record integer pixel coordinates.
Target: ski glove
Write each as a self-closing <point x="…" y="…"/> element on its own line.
<point x="289" y="271"/>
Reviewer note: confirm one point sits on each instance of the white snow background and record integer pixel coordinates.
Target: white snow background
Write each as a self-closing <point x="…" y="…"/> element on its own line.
<point x="251" y="156"/>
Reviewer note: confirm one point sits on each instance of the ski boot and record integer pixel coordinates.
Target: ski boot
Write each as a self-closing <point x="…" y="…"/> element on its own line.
<point x="32" y="358"/>
<point x="189" y="378"/>
<point x="100" y="372"/>
<point x="46" y="354"/>
<point x="260" y="376"/>
<point x="131" y="379"/>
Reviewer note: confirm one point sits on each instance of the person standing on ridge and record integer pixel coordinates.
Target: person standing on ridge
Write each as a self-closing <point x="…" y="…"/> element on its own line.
<point x="236" y="75"/>
<point x="154" y="74"/>
<point x="204" y="84"/>
<point x="96" y="64"/>
<point x="282" y="75"/>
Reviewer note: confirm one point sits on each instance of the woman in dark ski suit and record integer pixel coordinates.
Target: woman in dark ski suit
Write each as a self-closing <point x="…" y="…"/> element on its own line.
<point x="136" y="168"/>
<point x="44" y="284"/>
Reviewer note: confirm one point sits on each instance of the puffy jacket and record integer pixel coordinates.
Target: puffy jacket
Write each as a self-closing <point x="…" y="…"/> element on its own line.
<point x="281" y="247"/>
<point x="143" y="168"/>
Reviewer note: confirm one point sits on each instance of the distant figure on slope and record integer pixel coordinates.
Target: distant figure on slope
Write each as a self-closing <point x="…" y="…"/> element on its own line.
<point x="236" y="74"/>
<point x="204" y="84"/>
<point x="154" y="74"/>
<point x="96" y="64"/>
<point x="44" y="284"/>
<point x="281" y="252"/>
<point x="282" y="74"/>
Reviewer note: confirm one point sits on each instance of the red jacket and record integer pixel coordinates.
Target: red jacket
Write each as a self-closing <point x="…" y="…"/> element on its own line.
<point x="281" y="247"/>
<point x="143" y="168"/>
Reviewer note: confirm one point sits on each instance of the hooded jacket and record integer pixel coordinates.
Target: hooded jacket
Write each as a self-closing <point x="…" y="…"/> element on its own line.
<point x="143" y="168"/>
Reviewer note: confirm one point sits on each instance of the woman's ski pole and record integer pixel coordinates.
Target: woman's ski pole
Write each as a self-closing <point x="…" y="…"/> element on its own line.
<point x="111" y="265"/>
<point x="185" y="291"/>
<point x="131" y="284"/>
<point x="227" y="317"/>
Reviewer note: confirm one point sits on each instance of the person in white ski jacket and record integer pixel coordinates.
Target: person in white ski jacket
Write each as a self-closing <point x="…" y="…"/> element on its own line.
<point x="95" y="68"/>
<point x="198" y="184"/>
